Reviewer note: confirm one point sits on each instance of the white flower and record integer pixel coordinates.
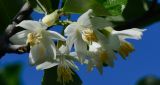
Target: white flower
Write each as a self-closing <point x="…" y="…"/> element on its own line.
<point x="65" y="62"/>
<point x="123" y="47"/>
<point x="101" y="54"/>
<point x="98" y="56"/>
<point x="51" y="19"/>
<point x="82" y="32"/>
<point x="40" y="40"/>
<point x="65" y="65"/>
<point x="102" y="40"/>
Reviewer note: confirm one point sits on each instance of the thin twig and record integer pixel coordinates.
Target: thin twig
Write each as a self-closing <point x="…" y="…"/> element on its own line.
<point x="6" y="46"/>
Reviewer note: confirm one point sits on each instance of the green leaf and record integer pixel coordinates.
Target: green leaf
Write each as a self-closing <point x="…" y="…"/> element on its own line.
<point x="115" y="7"/>
<point x="50" y="78"/>
<point x="100" y="7"/>
<point x="8" y="8"/>
<point x="10" y="74"/>
<point x="45" y="6"/>
<point x="81" y="6"/>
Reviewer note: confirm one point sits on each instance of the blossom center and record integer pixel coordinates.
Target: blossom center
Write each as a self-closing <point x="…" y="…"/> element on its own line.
<point x="89" y="36"/>
<point x="33" y="38"/>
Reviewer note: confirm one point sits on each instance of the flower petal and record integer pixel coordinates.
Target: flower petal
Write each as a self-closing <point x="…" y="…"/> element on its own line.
<point x="20" y="37"/>
<point x="107" y="39"/>
<point x="37" y="54"/>
<point x="72" y="56"/>
<point x="80" y="47"/>
<point x="70" y="41"/>
<point x="112" y="57"/>
<point x="90" y="66"/>
<point x="84" y="19"/>
<point x="102" y="39"/>
<point x="133" y="33"/>
<point x="100" y="68"/>
<point x="55" y="35"/>
<point x="32" y="25"/>
<point x="46" y="65"/>
<point x="100" y="23"/>
<point x="72" y="65"/>
<point x="50" y="48"/>
<point x="94" y="47"/>
<point x="114" y="42"/>
<point x="72" y="28"/>
<point x="64" y="49"/>
<point x="71" y="31"/>
<point x="125" y="49"/>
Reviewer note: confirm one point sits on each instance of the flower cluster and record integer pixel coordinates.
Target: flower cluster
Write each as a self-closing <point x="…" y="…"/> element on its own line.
<point x="93" y="38"/>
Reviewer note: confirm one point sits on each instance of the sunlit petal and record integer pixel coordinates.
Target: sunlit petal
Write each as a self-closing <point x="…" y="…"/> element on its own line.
<point x="94" y="47"/>
<point x="80" y="47"/>
<point x="37" y="54"/>
<point x="46" y="65"/>
<point x="133" y="33"/>
<point x="72" y="29"/>
<point x="32" y="25"/>
<point x="55" y="35"/>
<point x="49" y="47"/>
<point x="84" y="19"/>
<point x="72" y="65"/>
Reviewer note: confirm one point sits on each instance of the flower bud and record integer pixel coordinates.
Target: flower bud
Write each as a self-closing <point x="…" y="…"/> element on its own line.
<point x="51" y="19"/>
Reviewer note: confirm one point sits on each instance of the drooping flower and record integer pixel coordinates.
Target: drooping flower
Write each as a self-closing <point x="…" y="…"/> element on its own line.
<point x="96" y="34"/>
<point x="65" y="61"/>
<point x="98" y="57"/>
<point x="115" y="42"/>
<point x="42" y="47"/>
<point x="65" y="66"/>
<point x="85" y="33"/>
<point x="123" y="47"/>
<point x="82" y="32"/>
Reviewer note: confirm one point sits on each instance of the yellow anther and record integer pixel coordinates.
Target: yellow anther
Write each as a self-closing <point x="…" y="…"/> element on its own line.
<point x="89" y="36"/>
<point x="125" y="49"/>
<point x="103" y="57"/>
<point x="64" y="74"/>
<point x="33" y="38"/>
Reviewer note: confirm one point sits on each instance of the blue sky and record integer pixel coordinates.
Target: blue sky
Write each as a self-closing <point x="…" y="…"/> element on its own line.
<point x="142" y="62"/>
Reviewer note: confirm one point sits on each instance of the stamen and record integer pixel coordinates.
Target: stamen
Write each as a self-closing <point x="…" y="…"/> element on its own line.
<point x="125" y="49"/>
<point x="103" y="57"/>
<point x="64" y="74"/>
<point x="89" y="36"/>
<point x="33" y="38"/>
